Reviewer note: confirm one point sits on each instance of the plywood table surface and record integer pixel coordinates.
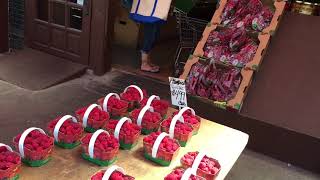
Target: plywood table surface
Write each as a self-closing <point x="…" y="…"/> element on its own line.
<point x="221" y="142"/>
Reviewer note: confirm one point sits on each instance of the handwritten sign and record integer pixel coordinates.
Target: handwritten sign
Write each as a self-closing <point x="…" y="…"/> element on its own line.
<point x="178" y="92"/>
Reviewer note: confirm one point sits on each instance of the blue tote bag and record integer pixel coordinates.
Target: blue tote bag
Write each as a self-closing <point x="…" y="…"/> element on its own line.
<point x="150" y="11"/>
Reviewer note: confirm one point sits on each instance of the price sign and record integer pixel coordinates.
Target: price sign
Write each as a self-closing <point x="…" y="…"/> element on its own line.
<point x="178" y="92"/>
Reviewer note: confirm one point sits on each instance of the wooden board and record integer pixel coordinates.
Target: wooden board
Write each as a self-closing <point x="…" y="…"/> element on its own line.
<point x="223" y="143"/>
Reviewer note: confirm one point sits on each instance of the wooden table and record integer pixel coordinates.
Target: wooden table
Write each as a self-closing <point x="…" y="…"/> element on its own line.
<point x="221" y="142"/>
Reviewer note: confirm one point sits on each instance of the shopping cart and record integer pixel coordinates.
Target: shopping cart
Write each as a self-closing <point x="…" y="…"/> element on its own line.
<point x="190" y="32"/>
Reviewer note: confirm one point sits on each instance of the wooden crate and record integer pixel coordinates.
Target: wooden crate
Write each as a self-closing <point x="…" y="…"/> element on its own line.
<point x="234" y="104"/>
<point x="278" y="7"/>
<point x="254" y="64"/>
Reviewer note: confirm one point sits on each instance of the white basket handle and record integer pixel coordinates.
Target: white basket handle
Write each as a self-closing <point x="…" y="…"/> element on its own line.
<point x="137" y="88"/>
<point x="93" y="141"/>
<point x="151" y="98"/>
<point x="6" y="146"/>
<point x="173" y="124"/>
<point x="106" y="99"/>
<point x="156" y="144"/>
<point x="23" y="137"/>
<point x="110" y="170"/>
<point x="87" y="113"/>
<point x="142" y="112"/>
<point x="59" y="124"/>
<point x="184" y="110"/>
<point x="197" y="162"/>
<point x="119" y="125"/>
<point x="187" y="174"/>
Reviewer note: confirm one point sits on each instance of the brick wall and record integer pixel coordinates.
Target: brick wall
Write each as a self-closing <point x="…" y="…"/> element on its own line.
<point x="16" y="24"/>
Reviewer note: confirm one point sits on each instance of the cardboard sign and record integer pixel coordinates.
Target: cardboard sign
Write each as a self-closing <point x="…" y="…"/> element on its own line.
<point x="178" y="92"/>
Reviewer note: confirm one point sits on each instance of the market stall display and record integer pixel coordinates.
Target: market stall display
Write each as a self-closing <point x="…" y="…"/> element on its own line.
<point x="92" y="117"/>
<point x="66" y="131"/>
<point x="100" y="148"/>
<point x="112" y="173"/>
<point x="34" y="146"/>
<point x="10" y="163"/>
<point x="160" y="148"/>
<point x="125" y="131"/>
<point x="147" y="119"/>
<point x="67" y="164"/>
<point x="112" y="104"/>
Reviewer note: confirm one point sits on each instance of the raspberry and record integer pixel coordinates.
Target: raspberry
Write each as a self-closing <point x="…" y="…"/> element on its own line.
<point x="150" y="119"/>
<point x="132" y="94"/>
<point x="105" y="144"/>
<point x="159" y="106"/>
<point x="208" y="165"/>
<point x="177" y="175"/>
<point x="96" y="118"/>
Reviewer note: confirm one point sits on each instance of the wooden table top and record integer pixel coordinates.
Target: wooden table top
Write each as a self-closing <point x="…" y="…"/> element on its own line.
<point x="221" y="142"/>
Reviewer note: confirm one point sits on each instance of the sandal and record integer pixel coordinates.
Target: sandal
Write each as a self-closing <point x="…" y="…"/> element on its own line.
<point x="150" y="68"/>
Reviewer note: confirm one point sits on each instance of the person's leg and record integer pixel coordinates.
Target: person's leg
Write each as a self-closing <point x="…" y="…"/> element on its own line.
<point x="156" y="33"/>
<point x="150" y="36"/>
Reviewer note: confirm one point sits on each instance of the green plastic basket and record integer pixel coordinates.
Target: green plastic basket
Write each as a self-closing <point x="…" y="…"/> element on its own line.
<point x="156" y="160"/>
<point x="36" y="163"/>
<point x="66" y="145"/>
<point x="98" y="162"/>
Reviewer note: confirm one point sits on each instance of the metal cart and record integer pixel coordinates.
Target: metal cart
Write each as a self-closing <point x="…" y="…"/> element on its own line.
<point x="190" y="32"/>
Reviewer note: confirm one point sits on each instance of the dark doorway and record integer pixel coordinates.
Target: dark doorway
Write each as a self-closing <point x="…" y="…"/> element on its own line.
<point x="4" y="26"/>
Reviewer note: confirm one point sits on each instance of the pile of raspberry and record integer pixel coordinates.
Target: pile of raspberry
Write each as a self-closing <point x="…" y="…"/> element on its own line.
<point x="68" y="127"/>
<point x="149" y="117"/>
<point x="181" y="128"/>
<point x="207" y="165"/>
<point x="96" y="114"/>
<point x="127" y="129"/>
<point x="115" y="103"/>
<point x="188" y="117"/>
<point x="132" y="94"/>
<point x="215" y="82"/>
<point x="167" y="144"/>
<point x="114" y="176"/>
<point x="36" y="141"/>
<point x="103" y="142"/>
<point x="178" y="173"/>
<point x="159" y="106"/>
<point x="8" y="159"/>
<point x="231" y="46"/>
<point x="250" y="14"/>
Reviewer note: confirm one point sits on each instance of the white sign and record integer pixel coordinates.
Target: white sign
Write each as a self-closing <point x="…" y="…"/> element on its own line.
<point x="80" y="2"/>
<point x="178" y="92"/>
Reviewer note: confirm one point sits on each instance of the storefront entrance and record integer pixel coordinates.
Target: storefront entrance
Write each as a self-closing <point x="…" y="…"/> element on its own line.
<point x="60" y="27"/>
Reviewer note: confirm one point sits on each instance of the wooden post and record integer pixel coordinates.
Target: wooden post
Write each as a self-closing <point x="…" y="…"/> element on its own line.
<point x="101" y="36"/>
<point x="4" y="43"/>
